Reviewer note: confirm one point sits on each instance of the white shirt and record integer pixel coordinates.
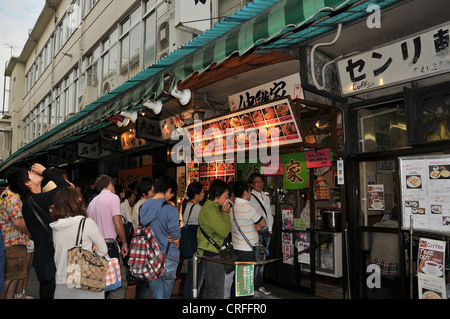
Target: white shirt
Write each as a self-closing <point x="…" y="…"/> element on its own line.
<point x="265" y="201"/>
<point x="246" y="217"/>
<point x="126" y="211"/>
<point x="193" y="219"/>
<point x="135" y="213"/>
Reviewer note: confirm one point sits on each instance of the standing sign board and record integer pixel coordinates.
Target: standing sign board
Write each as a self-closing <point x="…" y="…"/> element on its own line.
<point x="244" y="280"/>
<point x="425" y="185"/>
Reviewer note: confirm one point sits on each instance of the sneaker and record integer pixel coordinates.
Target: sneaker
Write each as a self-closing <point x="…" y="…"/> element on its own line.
<point x="22" y="296"/>
<point x="264" y="291"/>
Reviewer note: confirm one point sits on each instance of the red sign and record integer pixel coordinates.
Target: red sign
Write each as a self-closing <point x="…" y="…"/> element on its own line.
<point x="318" y="158"/>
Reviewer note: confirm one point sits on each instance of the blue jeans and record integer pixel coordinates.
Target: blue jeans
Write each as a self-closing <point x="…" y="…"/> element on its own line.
<point x="188" y="282"/>
<point x="162" y="287"/>
<point x="259" y="270"/>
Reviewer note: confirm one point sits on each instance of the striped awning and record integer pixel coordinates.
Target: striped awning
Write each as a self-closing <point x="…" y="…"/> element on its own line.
<point x="267" y="24"/>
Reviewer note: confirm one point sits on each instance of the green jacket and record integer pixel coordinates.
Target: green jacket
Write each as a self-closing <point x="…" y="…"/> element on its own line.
<point x="215" y="223"/>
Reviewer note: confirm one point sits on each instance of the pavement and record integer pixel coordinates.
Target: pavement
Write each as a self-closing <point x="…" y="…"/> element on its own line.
<point x="32" y="290"/>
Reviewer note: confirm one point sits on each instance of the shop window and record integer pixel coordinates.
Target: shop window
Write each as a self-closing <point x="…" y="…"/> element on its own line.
<point x="382" y="262"/>
<point x="130" y="43"/>
<point x="428" y="114"/>
<point x="378" y="191"/>
<point x="150" y="39"/>
<point x="382" y="128"/>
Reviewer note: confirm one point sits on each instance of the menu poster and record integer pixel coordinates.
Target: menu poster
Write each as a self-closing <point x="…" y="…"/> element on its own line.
<point x="206" y="173"/>
<point x="301" y="243"/>
<point x="259" y="126"/>
<point x="425" y="187"/>
<point x="376" y="197"/>
<point x="288" y="248"/>
<point x="287" y="217"/>
<point x="430" y="272"/>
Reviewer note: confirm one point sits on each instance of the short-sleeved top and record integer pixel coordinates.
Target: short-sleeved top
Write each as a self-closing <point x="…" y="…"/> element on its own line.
<point x="265" y="212"/>
<point x="246" y="217"/>
<point x="191" y="219"/>
<point x="11" y="210"/>
<point x="102" y="209"/>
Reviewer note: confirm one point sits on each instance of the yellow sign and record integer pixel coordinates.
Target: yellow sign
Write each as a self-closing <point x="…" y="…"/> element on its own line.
<point x="128" y="140"/>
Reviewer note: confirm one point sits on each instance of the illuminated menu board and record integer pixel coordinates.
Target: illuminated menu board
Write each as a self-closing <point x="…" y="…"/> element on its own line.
<point x="215" y="141"/>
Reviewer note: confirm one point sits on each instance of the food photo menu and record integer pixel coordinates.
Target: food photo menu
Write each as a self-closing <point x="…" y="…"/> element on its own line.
<point x="425" y="185"/>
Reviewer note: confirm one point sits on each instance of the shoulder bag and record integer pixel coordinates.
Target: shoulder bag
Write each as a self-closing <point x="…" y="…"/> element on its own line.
<point x="85" y="270"/>
<point x="188" y="240"/>
<point x="226" y="253"/>
<point x="32" y="204"/>
<point x="265" y="230"/>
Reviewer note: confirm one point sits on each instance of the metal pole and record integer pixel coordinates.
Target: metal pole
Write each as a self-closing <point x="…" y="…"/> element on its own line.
<point x="411" y="258"/>
<point x="194" y="276"/>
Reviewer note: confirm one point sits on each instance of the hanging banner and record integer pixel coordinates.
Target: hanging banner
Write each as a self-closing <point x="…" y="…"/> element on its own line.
<point x="430" y="272"/>
<point x="249" y="167"/>
<point x="295" y="171"/>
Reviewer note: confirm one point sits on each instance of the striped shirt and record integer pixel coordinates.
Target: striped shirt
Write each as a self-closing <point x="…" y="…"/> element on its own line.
<point x="246" y="217"/>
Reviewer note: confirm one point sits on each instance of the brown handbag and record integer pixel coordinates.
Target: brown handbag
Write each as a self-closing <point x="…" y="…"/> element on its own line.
<point x="85" y="270"/>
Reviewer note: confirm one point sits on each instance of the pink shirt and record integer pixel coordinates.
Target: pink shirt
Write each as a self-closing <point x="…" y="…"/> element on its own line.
<point x="102" y="209"/>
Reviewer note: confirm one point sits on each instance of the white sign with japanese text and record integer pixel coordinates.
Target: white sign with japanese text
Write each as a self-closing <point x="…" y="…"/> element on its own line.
<point x="421" y="55"/>
<point x="289" y="85"/>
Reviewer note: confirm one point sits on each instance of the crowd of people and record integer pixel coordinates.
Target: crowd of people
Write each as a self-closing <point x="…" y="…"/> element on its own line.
<point x="39" y="224"/>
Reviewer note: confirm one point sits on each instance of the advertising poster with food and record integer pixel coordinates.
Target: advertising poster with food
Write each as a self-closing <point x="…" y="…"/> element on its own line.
<point x="268" y="125"/>
<point x="425" y="188"/>
<point x="302" y="243"/>
<point x="287" y="216"/>
<point x="206" y="173"/>
<point x="430" y="272"/>
<point x="376" y="197"/>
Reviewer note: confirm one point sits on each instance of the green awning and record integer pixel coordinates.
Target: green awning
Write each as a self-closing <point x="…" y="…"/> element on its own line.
<point x="261" y="24"/>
